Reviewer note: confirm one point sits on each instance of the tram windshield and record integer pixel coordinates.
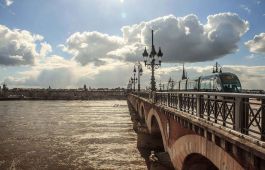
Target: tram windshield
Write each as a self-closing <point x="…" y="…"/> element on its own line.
<point x="230" y="83"/>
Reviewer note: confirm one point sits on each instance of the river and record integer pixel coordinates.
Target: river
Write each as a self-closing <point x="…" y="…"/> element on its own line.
<point x="67" y="135"/>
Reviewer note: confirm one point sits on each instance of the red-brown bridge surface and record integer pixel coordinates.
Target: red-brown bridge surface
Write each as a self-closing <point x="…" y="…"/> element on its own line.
<point x="195" y="140"/>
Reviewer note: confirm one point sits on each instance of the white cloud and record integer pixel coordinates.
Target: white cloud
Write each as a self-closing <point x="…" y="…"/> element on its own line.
<point x="257" y="44"/>
<point x="250" y="57"/>
<point x="246" y="8"/>
<point x="45" y="49"/>
<point x="19" y="47"/>
<point x="131" y="53"/>
<point x="185" y="39"/>
<point x="9" y="2"/>
<point x="91" y="47"/>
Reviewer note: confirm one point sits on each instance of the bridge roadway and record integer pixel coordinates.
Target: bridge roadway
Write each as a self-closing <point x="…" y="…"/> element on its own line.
<point x="205" y="130"/>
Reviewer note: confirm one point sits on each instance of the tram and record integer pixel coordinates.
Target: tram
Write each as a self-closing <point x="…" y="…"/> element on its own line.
<point x="216" y="82"/>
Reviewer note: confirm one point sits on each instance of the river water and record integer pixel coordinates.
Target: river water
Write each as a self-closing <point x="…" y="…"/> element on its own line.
<point x="67" y="135"/>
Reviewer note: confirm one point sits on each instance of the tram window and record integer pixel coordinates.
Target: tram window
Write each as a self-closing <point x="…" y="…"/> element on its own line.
<point x="230" y="83"/>
<point x="177" y="86"/>
<point x="191" y="85"/>
<point x="218" y="84"/>
<point x="196" y="85"/>
<point x="212" y="86"/>
<point x="206" y="84"/>
<point x="183" y="85"/>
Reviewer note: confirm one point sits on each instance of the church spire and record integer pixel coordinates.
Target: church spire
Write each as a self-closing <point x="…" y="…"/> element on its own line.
<point x="184" y="76"/>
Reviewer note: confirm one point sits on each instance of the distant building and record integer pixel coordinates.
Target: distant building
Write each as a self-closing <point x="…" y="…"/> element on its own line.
<point x="5" y="87"/>
<point x="4" y="90"/>
<point x="85" y="88"/>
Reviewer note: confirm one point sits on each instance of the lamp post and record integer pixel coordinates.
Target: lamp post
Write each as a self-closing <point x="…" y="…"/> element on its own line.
<point x="140" y="73"/>
<point x="170" y="84"/>
<point x="129" y="86"/>
<point x="134" y="79"/>
<point x="151" y="63"/>
<point x="160" y="86"/>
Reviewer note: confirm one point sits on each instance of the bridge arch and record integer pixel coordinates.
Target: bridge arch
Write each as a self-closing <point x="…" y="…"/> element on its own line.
<point x="155" y="127"/>
<point x="155" y="130"/>
<point x="141" y="112"/>
<point x="191" y="147"/>
<point x="197" y="161"/>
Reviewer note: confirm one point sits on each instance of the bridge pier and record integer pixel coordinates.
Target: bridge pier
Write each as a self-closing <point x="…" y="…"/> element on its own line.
<point x="151" y="142"/>
<point x="148" y="143"/>
<point x="197" y="162"/>
<point x="144" y="138"/>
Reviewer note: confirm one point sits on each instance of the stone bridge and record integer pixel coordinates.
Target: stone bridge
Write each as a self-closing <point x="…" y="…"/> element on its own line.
<point x="202" y="130"/>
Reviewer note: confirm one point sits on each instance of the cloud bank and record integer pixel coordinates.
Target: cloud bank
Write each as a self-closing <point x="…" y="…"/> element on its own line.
<point x="183" y="39"/>
<point x="58" y="72"/>
<point x="69" y="75"/>
<point x="102" y="60"/>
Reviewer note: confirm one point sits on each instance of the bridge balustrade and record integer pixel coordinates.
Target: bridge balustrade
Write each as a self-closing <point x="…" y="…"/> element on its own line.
<point x="143" y="94"/>
<point x="244" y="113"/>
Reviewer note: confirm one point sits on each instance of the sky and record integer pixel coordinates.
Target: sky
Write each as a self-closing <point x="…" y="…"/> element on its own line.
<point x="66" y="43"/>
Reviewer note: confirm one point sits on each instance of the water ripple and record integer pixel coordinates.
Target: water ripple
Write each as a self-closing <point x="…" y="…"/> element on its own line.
<point x="67" y="135"/>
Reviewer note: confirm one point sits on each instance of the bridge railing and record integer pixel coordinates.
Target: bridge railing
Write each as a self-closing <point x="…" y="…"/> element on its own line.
<point x="143" y="94"/>
<point x="244" y="113"/>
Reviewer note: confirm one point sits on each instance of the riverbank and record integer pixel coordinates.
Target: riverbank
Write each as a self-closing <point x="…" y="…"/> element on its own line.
<point x="62" y="94"/>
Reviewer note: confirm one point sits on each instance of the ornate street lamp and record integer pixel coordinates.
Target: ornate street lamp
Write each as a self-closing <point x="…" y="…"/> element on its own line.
<point x="129" y="86"/>
<point x="160" y="86"/>
<point x="140" y="73"/>
<point x="134" y="79"/>
<point x="170" y="84"/>
<point x="150" y="60"/>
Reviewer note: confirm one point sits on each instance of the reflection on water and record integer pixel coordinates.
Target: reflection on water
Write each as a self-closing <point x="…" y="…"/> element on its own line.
<point x="67" y="135"/>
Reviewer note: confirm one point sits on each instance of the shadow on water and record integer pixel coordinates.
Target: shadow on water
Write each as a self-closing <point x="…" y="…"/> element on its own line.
<point x="145" y="153"/>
